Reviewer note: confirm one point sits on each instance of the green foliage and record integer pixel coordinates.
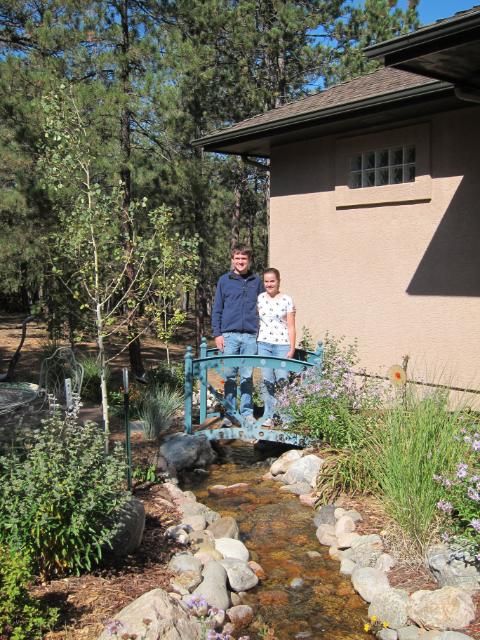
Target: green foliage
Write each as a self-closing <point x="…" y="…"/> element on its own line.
<point x="173" y="376"/>
<point x="460" y="503"/>
<point x="145" y="473"/>
<point x="330" y="403"/>
<point x="22" y="617"/>
<point x="91" y="379"/>
<point x="306" y="342"/>
<point x="159" y="406"/>
<point x="58" y="502"/>
<point x="417" y="441"/>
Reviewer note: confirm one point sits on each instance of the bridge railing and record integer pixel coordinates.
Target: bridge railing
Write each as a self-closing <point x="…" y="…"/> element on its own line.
<point x="211" y="359"/>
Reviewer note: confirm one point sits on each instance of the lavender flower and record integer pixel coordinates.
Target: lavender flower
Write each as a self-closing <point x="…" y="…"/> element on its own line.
<point x="462" y="470"/>
<point x="445" y="506"/>
<point x="473" y="494"/>
<point x="475" y="523"/>
<point x="114" y="626"/>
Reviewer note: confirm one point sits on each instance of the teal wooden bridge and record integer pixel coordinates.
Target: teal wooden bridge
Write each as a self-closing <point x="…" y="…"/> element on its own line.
<point x="210" y="422"/>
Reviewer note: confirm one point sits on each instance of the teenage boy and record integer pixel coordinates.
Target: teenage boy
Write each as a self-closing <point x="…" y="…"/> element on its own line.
<point x="235" y="325"/>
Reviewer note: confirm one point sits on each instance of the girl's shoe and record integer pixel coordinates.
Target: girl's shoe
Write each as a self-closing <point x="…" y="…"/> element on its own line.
<point x="268" y="423"/>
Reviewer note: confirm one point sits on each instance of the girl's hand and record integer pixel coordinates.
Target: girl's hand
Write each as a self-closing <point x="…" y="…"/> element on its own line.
<point x="291" y="353"/>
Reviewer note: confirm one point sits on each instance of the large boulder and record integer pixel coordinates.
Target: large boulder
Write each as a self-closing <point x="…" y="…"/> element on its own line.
<point x="186" y="451"/>
<point x="240" y="576"/>
<point x="285" y="461"/>
<point x="369" y="583"/>
<point x="304" y="470"/>
<point x="390" y="605"/>
<point x="167" y="620"/>
<point x="225" y="527"/>
<point x="445" y="608"/>
<point x="449" y="570"/>
<point x="131" y="525"/>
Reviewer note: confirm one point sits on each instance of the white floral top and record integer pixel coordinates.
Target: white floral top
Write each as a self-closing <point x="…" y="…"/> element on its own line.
<point x="273" y="317"/>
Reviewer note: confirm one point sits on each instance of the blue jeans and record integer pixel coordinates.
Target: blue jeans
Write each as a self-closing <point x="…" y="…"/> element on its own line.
<point x="237" y="343"/>
<point x="272" y="377"/>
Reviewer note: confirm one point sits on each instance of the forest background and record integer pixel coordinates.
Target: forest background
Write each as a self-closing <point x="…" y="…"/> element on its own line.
<point x="99" y="104"/>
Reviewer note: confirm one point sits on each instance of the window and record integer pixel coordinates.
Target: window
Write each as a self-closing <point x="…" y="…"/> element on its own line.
<point x="384" y="166"/>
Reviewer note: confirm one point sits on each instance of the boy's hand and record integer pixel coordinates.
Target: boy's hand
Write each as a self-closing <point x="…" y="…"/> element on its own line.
<point x="220" y="343"/>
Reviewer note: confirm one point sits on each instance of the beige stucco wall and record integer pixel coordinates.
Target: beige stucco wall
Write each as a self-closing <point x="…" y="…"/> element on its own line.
<point x="401" y="277"/>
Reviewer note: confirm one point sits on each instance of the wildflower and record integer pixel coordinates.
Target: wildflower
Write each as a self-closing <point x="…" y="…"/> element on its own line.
<point x="476" y="445"/>
<point x="475" y="524"/>
<point x="113" y="626"/>
<point x="385" y="624"/>
<point x="462" y="470"/>
<point x="473" y="494"/>
<point x="366" y="627"/>
<point x="445" y="537"/>
<point x="373" y="618"/>
<point x="445" y="506"/>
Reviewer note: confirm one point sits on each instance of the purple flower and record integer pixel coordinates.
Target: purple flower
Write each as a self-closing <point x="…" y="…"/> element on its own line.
<point x="445" y="537"/>
<point x="473" y="495"/>
<point x="445" y="506"/>
<point x="113" y="626"/>
<point x="476" y="445"/>
<point x="462" y="470"/>
<point x="476" y="524"/>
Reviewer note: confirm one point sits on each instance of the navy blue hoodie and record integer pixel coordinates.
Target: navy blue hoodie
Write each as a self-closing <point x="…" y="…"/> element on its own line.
<point x="235" y="306"/>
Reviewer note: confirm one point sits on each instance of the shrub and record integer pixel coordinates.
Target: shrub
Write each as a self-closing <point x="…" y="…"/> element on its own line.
<point x="172" y="376"/>
<point x="58" y="502"/>
<point x="21" y="616"/>
<point x="460" y="503"/>
<point x="91" y="379"/>
<point x="158" y="408"/>
<point x="327" y="403"/>
<point x="416" y="441"/>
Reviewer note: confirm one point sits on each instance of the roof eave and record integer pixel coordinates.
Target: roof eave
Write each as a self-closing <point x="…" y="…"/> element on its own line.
<point x="215" y="141"/>
<point x="428" y="36"/>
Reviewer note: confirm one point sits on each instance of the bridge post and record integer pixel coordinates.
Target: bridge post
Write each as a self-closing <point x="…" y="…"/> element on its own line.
<point x="188" y="389"/>
<point x="203" y="377"/>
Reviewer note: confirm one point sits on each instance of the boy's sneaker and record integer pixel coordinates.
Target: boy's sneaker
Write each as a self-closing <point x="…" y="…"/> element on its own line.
<point x="226" y="423"/>
<point x="268" y="423"/>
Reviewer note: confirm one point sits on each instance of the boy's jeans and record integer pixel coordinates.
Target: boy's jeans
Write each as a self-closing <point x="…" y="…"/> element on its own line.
<point x="272" y="377"/>
<point x="237" y="343"/>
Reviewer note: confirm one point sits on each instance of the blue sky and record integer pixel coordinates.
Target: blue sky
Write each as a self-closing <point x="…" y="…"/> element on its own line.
<point x="431" y="10"/>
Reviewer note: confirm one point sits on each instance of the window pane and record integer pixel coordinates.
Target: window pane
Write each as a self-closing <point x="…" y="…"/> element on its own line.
<point x="381" y="158"/>
<point x="356" y="163"/>
<point x="396" y="175"/>
<point x="410" y="154"/>
<point x="396" y="156"/>
<point x="369" y="160"/>
<point x="355" y="179"/>
<point x="381" y="177"/>
<point x="369" y="178"/>
<point x="409" y="173"/>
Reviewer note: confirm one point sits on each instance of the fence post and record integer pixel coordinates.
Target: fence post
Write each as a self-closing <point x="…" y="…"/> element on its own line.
<point x="203" y="381"/>
<point x="188" y="389"/>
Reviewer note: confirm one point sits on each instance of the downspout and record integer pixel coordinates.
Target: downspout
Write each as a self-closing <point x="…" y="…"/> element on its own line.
<point x="467" y="95"/>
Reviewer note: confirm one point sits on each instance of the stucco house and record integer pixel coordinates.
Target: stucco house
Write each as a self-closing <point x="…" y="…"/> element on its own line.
<point x="375" y="202"/>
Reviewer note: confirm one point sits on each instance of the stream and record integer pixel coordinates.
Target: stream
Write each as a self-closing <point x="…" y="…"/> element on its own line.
<point x="280" y="535"/>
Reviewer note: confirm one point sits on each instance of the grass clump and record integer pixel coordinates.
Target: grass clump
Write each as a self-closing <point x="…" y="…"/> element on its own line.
<point x="159" y="406"/>
<point x="417" y="440"/>
<point x="91" y="379"/>
<point x="59" y="499"/>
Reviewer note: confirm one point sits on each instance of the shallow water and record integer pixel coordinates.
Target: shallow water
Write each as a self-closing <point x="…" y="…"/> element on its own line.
<point x="279" y="532"/>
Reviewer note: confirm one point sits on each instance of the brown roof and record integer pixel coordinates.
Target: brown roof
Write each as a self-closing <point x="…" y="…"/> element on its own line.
<point x="381" y="82"/>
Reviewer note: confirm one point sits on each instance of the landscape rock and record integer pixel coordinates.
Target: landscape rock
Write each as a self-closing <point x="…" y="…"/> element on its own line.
<point x="391" y="606"/>
<point x="366" y="550"/>
<point x="304" y="470"/>
<point x="186" y="452"/>
<point x="325" y="515"/>
<point x="354" y="515"/>
<point x="169" y="621"/>
<point x="387" y="634"/>
<point x="347" y="566"/>
<point x="298" y="488"/>
<point x="308" y="499"/>
<point x="326" y="535"/>
<point x="369" y="582"/>
<point x="344" y="525"/>
<point x="240" y="616"/>
<point x="240" y="575"/>
<point x="345" y="540"/>
<point x="225" y="527"/>
<point x="214" y="586"/>
<point x="185" y="582"/>
<point x="451" y="571"/>
<point x="131" y="525"/>
<point x="185" y="562"/>
<point x="445" y="608"/>
<point x="285" y="461"/>
<point x="385" y="562"/>
<point x="257" y="569"/>
<point x="231" y="548"/>
<point x="230" y="490"/>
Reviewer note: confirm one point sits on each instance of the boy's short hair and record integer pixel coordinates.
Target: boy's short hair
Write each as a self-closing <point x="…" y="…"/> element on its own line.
<point x="241" y="248"/>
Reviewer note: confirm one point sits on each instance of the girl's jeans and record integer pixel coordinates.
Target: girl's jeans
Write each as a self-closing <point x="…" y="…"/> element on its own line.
<point x="237" y="343"/>
<point x="272" y="377"/>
